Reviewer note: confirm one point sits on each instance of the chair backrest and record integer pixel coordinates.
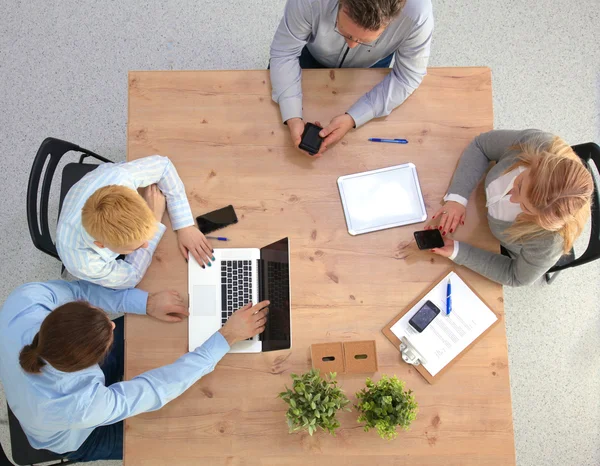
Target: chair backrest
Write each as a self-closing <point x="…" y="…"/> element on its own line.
<point x="22" y="452"/>
<point x="4" y="461"/>
<point x="590" y="154"/>
<point x="48" y="155"/>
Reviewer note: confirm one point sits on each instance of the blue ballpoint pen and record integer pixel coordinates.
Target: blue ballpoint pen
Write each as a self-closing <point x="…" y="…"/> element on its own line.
<point x="448" y="298"/>
<point x="218" y="238"/>
<point x="391" y="141"/>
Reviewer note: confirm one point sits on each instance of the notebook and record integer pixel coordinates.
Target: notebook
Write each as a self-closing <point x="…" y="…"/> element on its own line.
<point x="447" y="336"/>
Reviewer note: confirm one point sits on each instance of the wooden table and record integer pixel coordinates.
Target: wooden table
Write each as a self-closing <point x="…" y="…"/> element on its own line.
<point x="224" y="135"/>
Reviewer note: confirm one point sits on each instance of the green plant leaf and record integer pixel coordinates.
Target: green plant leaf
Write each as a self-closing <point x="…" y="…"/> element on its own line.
<point x="385" y="405"/>
<point x="313" y="402"/>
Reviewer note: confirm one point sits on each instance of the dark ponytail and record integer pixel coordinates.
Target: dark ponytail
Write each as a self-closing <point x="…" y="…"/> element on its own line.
<point x="72" y="337"/>
<point x="29" y="358"/>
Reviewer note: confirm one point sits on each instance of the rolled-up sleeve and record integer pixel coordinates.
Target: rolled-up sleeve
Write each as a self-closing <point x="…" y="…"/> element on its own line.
<point x="410" y="67"/>
<point x="286" y="75"/>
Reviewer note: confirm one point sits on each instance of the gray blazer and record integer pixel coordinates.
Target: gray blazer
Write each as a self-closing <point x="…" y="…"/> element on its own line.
<point x="529" y="260"/>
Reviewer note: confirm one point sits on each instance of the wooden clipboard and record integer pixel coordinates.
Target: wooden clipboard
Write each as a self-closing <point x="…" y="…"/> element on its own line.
<point x="396" y="342"/>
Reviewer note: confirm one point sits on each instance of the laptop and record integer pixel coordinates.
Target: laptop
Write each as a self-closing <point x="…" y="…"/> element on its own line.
<point x="237" y="277"/>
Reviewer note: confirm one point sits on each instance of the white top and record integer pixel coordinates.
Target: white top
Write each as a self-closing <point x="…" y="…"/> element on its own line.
<point x="498" y="200"/>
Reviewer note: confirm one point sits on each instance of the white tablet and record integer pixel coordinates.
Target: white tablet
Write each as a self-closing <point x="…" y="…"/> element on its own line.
<point x="380" y="199"/>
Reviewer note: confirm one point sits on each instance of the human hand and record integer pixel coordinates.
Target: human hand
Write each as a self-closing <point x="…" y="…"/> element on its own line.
<point x="335" y="131"/>
<point x="450" y="215"/>
<point x="246" y="322"/>
<point x="447" y="250"/>
<point x="296" y="127"/>
<point x="167" y="306"/>
<point x="191" y="239"/>
<point x="156" y="201"/>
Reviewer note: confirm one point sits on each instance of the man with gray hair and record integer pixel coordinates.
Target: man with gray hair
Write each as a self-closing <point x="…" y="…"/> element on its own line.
<point x="350" y="34"/>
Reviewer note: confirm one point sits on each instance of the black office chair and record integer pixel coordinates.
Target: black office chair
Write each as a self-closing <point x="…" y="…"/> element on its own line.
<point x="589" y="153"/>
<point x="53" y="149"/>
<point x="22" y="452"/>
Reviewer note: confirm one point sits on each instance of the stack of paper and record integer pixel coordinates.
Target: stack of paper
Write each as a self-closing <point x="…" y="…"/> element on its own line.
<point x="447" y="336"/>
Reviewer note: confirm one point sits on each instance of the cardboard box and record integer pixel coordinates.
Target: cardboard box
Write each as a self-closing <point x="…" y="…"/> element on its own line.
<point x="328" y="357"/>
<point x="351" y="357"/>
<point x="360" y="357"/>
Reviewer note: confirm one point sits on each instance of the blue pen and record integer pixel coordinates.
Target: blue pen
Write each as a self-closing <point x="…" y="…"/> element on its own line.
<point x="448" y="298"/>
<point x="391" y="141"/>
<point x="218" y="238"/>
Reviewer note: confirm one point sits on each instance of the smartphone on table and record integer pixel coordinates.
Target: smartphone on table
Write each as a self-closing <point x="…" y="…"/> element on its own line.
<point x="311" y="141"/>
<point x="424" y="316"/>
<point x="429" y="239"/>
<point x="217" y="219"/>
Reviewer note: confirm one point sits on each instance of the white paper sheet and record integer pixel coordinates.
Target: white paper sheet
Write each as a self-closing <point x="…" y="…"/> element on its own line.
<point x="447" y="336"/>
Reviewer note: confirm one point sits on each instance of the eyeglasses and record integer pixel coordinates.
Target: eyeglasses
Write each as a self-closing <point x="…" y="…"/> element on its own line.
<point x="350" y="38"/>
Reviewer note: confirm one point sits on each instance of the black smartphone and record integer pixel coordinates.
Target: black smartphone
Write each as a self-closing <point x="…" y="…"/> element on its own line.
<point x="429" y="239"/>
<point x="217" y="219"/>
<point x="424" y="316"/>
<point x="311" y="141"/>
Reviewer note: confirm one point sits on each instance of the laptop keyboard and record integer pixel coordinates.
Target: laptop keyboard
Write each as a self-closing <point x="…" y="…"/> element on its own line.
<point x="236" y="286"/>
<point x="278" y="279"/>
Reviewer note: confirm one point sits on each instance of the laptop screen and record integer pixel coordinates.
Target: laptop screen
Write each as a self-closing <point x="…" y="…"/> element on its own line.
<point x="274" y="285"/>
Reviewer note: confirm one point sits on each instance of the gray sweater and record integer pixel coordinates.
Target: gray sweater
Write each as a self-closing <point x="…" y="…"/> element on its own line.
<point x="529" y="260"/>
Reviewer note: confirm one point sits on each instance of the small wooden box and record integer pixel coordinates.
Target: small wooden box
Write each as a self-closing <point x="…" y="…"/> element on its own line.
<point x="351" y="357"/>
<point x="328" y="357"/>
<point x="360" y="357"/>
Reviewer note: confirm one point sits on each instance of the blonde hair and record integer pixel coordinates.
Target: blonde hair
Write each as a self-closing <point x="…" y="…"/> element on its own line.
<point x="560" y="190"/>
<point x="118" y="216"/>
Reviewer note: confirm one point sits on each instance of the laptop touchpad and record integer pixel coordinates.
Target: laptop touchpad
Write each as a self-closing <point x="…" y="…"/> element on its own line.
<point x="205" y="301"/>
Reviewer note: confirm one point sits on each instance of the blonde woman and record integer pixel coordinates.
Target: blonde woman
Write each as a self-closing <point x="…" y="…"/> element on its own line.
<point x="538" y="199"/>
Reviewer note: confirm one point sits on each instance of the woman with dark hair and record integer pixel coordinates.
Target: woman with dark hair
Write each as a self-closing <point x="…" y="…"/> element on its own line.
<point x="62" y="363"/>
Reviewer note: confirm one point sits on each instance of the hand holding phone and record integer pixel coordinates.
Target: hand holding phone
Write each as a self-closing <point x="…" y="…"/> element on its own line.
<point x="311" y="141"/>
<point x="296" y="128"/>
<point x="429" y="239"/>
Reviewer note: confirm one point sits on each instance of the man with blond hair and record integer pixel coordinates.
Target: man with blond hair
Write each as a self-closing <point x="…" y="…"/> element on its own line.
<point x="103" y="217"/>
<point x="350" y="34"/>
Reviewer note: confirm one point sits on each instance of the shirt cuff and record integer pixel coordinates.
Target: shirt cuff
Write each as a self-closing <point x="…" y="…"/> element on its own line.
<point x="455" y="252"/>
<point x="216" y="346"/>
<point x="361" y="112"/>
<point x="153" y="243"/>
<point x="455" y="198"/>
<point x="180" y="214"/>
<point x="135" y="301"/>
<point x="290" y="108"/>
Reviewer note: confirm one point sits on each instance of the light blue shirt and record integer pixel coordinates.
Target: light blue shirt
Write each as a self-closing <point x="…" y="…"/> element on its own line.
<point x="76" y="248"/>
<point x="58" y="410"/>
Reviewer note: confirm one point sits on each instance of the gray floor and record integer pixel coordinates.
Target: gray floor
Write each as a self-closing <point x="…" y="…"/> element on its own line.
<point x="63" y="68"/>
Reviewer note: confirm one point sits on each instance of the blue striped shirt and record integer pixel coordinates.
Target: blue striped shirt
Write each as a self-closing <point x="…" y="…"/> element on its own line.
<point x="59" y="410"/>
<point x="76" y="248"/>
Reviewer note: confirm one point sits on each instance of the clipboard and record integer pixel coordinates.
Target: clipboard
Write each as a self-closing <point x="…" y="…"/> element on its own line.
<point x="397" y="343"/>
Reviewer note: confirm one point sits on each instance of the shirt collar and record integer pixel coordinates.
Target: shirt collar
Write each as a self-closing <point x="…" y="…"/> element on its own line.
<point x="105" y="253"/>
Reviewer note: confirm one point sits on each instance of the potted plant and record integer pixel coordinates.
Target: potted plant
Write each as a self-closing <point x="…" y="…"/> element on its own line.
<point x="314" y="402"/>
<point x="385" y="405"/>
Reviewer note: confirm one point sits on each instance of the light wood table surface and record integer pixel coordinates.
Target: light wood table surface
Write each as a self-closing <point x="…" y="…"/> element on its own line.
<point x="225" y="136"/>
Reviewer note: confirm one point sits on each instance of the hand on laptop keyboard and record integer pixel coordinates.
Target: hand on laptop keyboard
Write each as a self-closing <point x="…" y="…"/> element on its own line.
<point x="246" y="322"/>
